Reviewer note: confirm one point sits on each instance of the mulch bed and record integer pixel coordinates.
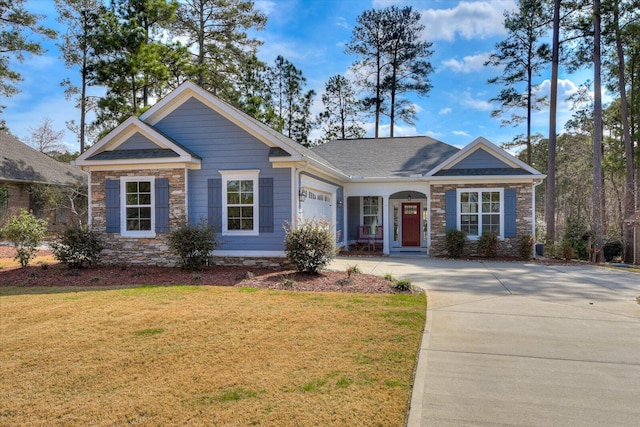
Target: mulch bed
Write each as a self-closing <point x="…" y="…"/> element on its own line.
<point x="51" y="275"/>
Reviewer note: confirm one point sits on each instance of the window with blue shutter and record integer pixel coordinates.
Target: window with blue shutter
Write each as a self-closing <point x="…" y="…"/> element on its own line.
<point x="266" y="205"/>
<point x="510" y="213"/>
<point x="162" y="205"/>
<point x="214" y="203"/>
<point x="113" y="205"/>
<point x="451" y="212"/>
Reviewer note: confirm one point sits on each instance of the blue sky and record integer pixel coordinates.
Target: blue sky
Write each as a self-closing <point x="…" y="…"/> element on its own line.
<point x="312" y="34"/>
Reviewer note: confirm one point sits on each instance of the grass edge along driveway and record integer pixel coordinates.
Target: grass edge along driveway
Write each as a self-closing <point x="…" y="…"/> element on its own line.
<point x="178" y="355"/>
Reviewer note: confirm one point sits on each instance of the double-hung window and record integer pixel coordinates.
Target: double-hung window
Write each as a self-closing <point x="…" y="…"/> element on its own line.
<point x="240" y="202"/>
<point x="138" y="205"/>
<point x="371" y="210"/>
<point x="480" y="210"/>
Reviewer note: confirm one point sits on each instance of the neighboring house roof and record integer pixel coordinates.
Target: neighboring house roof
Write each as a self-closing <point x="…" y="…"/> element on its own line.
<point x="386" y="157"/>
<point x="21" y="163"/>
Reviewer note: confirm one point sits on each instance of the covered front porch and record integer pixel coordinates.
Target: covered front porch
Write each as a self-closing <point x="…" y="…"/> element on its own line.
<point x="385" y="219"/>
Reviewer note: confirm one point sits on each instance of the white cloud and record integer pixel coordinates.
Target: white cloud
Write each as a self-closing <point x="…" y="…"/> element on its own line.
<point x="461" y="133"/>
<point x="471" y="101"/>
<point x="469" y="20"/>
<point x="342" y="22"/>
<point x="445" y="111"/>
<point x="468" y="64"/>
<point x="265" y="6"/>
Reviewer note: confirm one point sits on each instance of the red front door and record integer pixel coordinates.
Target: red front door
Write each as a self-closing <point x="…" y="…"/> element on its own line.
<point x="411" y="224"/>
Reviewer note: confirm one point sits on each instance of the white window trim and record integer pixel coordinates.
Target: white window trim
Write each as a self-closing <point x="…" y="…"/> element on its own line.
<point x="242" y="175"/>
<point x="479" y="191"/>
<point x="123" y="207"/>
<point x="380" y="207"/>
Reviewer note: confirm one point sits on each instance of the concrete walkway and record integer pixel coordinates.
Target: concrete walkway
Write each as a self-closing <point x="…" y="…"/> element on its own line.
<point x="521" y="343"/>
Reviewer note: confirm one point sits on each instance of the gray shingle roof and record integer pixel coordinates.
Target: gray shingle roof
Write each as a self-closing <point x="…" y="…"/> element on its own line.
<point x="386" y="157"/>
<point x="148" y="153"/>
<point x="21" y="163"/>
<point x="482" y="172"/>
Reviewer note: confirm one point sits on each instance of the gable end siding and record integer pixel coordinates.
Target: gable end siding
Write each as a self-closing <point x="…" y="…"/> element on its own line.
<point x="480" y="159"/>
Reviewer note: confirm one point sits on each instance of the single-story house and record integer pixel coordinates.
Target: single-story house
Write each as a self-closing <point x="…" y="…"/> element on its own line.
<point x="22" y="167"/>
<point x="194" y="156"/>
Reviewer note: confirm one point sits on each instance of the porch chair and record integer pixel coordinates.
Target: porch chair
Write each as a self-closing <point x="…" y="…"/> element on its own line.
<point x="378" y="239"/>
<point x="364" y="236"/>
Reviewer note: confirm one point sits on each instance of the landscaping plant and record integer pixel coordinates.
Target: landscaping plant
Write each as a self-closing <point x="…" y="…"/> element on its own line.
<point x="525" y="246"/>
<point x="454" y="243"/>
<point x="25" y="232"/>
<point x="193" y="244"/>
<point x="310" y="245"/>
<point x="78" y="246"/>
<point x="488" y="244"/>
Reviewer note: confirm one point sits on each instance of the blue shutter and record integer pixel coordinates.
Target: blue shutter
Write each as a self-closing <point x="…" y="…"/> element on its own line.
<point x="162" y="205"/>
<point x="113" y="205"/>
<point x="214" y="203"/>
<point x="266" y="205"/>
<point x="450" y="209"/>
<point x="510" y="213"/>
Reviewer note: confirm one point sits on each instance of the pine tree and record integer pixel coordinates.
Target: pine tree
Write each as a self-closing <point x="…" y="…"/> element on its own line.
<point x="339" y="120"/>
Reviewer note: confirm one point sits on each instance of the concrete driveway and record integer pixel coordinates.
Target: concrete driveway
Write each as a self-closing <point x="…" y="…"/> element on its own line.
<point x="522" y="343"/>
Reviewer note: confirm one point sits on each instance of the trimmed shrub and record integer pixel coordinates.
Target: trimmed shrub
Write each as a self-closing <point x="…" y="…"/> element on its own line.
<point x="310" y="245"/>
<point x="488" y="244"/>
<point x="525" y="246"/>
<point x="402" y="285"/>
<point x="77" y="246"/>
<point x="576" y="234"/>
<point x="454" y="243"/>
<point x="193" y="244"/>
<point x="25" y="232"/>
<point x="612" y="250"/>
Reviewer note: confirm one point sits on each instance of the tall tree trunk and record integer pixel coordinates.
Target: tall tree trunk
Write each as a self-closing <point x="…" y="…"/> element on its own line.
<point x="529" y="90"/>
<point x="629" y="200"/>
<point x="597" y="135"/>
<point x="550" y="202"/>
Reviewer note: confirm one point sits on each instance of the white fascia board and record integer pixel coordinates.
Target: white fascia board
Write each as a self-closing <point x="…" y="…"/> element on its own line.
<point x="485" y="178"/>
<point x="384" y="189"/>
<point x="139" y="165"/>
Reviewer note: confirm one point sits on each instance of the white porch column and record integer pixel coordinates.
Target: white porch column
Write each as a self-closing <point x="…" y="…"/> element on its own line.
<point x="385" y="224"/>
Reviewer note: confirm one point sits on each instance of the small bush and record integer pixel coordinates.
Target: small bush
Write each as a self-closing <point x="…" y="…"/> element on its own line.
<point x="525" y="246"/>
<point x="389" y="277"/>
<point x="488" y="244"/>
<point x="612" y="250"/>
<point x="454" y="243"/>
<point x="403" y="285"/>
<point x="25" y="232"/>
<point x="566" y="250"/>
<point x="77" y="246"/>
<point x="310" y="245"/>
<point x="353" y="269"/>
<point x="192" y="244"/>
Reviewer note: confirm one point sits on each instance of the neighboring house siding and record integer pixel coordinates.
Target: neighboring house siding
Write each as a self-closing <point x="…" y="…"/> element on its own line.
<point x="137" y="142"/>
<point x="508" y="246"/>
<point x="480" y="159"/>
<point x="18" y="199"/>
<point x="127" y="250"/>
<point x="224" y="146"/>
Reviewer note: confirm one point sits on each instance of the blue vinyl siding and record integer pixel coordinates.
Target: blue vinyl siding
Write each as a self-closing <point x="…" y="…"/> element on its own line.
<point x="480" y="159"/>
<point x="223" y="146"/>
<point x="137" y="142"/>
<point x="353" y="217"/>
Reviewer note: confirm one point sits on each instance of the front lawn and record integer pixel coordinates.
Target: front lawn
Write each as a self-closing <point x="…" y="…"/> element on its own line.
<point x="201" y="355"/>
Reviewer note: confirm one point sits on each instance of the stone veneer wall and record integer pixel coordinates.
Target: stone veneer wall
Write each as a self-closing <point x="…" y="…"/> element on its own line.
<point x="137" y="251"/>
<point x="508" y="247"/>
<point x="153" y="251"/>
